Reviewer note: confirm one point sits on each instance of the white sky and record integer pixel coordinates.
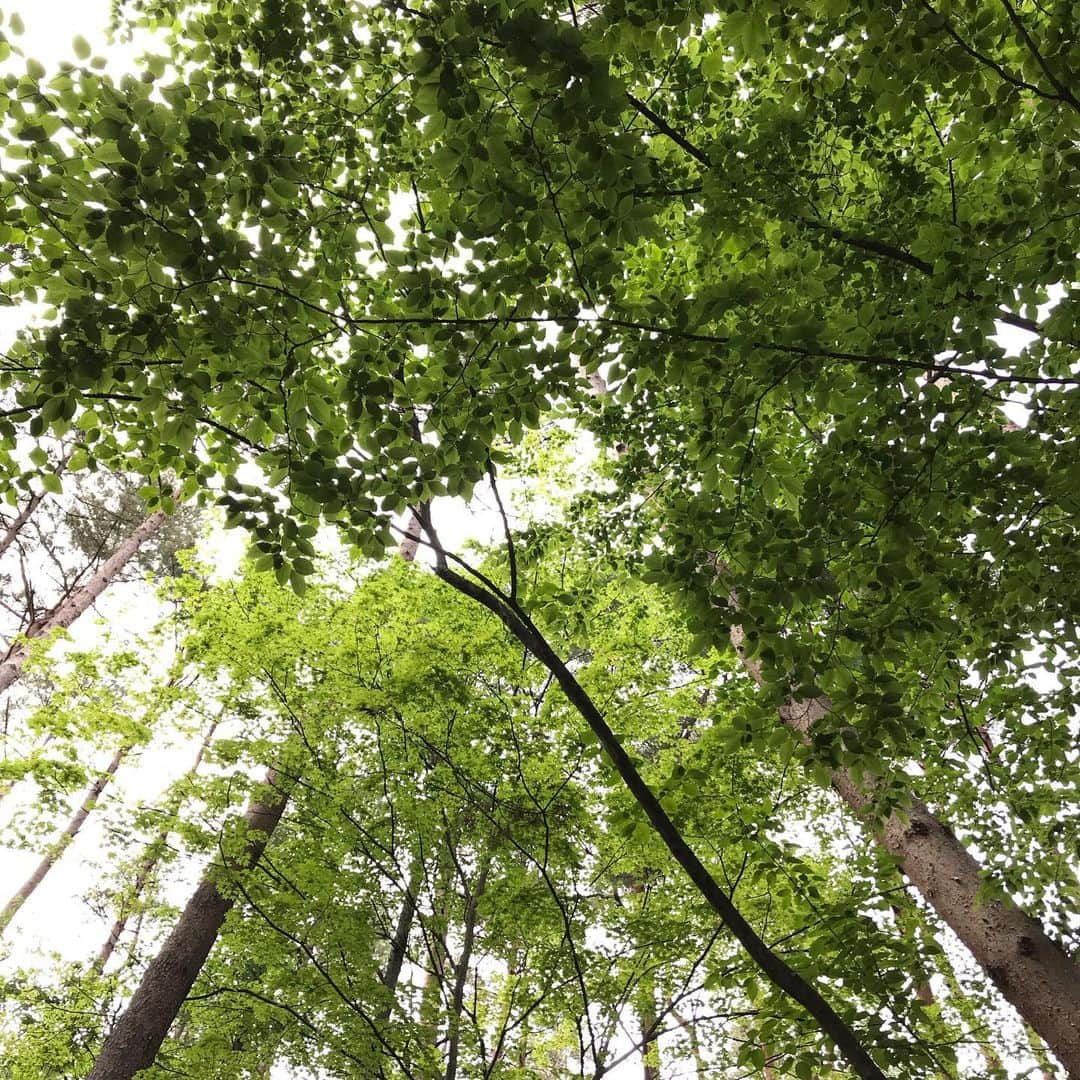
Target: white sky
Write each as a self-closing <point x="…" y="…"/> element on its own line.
<point x="52" y="24"/>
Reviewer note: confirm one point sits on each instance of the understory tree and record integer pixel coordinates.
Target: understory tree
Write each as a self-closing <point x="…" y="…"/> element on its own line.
<point x="454" y="885"/>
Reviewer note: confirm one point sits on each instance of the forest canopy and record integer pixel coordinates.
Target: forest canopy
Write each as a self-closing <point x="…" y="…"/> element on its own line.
<point x="749" y="746"/>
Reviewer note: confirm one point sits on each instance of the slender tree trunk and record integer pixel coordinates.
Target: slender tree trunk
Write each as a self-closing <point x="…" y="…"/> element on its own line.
<point x="650" y="1043"/>
<point x="923" y="990"/>
<point x="21" y="519"/>
<point x="66" y="612"/>
<point x="461" y="971"/>
<point x="399" y="945"/>
<point x="27" y="511"/>
<point x="137" y="1036"/>
<point x="1031" y="971"/>
<point x="431" y="1006"/>
<point x="151" y="856"/>
<point x="648" y="1022"/>
<point x="63" y="841"/>
<point x="701" y="1069"/>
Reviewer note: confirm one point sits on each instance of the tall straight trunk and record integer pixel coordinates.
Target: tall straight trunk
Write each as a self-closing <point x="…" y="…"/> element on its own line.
<point x="701" y="1068"/>
<point x="461" y="970"/>
<point x="431" y="1005"/>
<point x="137" y="1036"/>
<point x="57" y="848"/>
<point x="1031" y="971"/>
<point x="399" y="944"/>
<point x="151" y="856"/>
<point x="68" y="610"/>
<point x="650" y="1033"/>
<point x="923" y="990"/>
<point x="648" y="1022"/>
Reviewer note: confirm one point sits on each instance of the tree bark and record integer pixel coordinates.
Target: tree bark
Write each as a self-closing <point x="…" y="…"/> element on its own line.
<point x="25" y="513"/>
<point x="151" y="857"/>
<point x="435" y="933"/>
<point x="137" y="1036"/>
<point x="461" y="971"/>
<point x="648" y="1021"/>
<point x="650" y="1042"/>
<point x="63" y="841"/>
<point x="410" y="542"/>
<point x="20" y="520"/>
<point x="399" y="945"/>
<point x="770" y="1072"/>
<point x="1032" y="972"/>
<point x="690" y="1027"/>
<point x="66" y="612"/>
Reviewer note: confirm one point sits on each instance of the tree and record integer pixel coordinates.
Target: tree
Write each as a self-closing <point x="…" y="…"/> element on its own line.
<point x="79" y="600"/>
<point x="784" y="235"/>
<point x="416" y="764"/>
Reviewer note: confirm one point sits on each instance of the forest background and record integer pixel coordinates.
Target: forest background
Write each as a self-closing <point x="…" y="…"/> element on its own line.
<point x="750" y="335"/>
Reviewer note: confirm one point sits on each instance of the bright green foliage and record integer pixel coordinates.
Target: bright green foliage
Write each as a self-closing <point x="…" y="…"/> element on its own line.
<point x="786" y="235"/>
<point x="421" y="752"/>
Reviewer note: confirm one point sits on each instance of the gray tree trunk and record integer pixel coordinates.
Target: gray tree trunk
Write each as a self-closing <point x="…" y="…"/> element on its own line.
<point x="1032" y="972"/>
<point x="650" y="1045"/>
<point x="399" y="945"/>
<point x="150" y="859"/>
<point x="461" y="971"/>
<point x="66" y="612"/>
<point x="137" y="1036"/>
<point x="57" y="848"/>
<point x="27" y="511"/>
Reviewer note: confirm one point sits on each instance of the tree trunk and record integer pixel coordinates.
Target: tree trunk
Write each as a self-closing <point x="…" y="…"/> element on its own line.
<point x="410" y="543"/>
<point x="1031" y="971"/>
<point x="57" y="848"/>
<point x="435" y="932"/>
<point x="650" y="1031"/>
<point x="21" y="519"/>
<point x="151" y="857"/>
<point x="399" y="945"/>
<point x="461" y="971"/>
<point x="701" y="1068"/>
<point x="138" y="1034"/>
<point x="25" y="513"/>
<point x="66" y="612"/>
<point x="648" y="1022"/>
<point x="924" y="991"/>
